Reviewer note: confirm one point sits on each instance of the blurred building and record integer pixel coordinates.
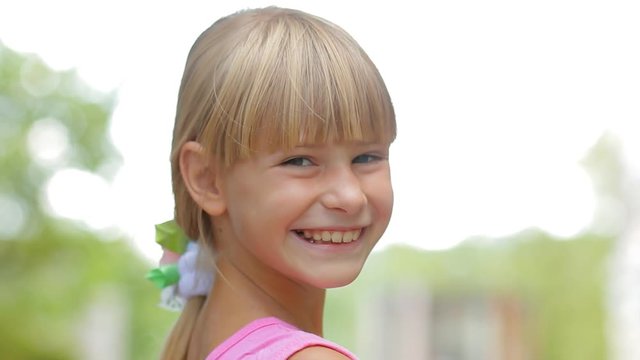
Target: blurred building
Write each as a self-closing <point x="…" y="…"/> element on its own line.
<point x="409" y="323"/>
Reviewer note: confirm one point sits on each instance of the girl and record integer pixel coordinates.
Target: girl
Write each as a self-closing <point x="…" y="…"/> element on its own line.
<point x="281" y="174"/>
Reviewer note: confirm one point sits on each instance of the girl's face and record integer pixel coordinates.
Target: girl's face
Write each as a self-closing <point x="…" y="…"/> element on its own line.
<point x="311" y="215"/>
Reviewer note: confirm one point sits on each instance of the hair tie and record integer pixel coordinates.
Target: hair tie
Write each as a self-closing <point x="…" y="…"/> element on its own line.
<point x="178" y="275"/>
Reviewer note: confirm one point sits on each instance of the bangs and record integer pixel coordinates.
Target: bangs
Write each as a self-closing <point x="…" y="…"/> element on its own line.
<point x="308" y="82"/>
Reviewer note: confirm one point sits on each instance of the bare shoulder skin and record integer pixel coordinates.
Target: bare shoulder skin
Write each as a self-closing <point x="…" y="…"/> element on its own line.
<point x="318" y="353"/>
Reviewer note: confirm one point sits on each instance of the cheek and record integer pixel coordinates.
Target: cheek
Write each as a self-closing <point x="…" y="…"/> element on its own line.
<point x="259" y="207"/>
<point x="387" y="205"/>
<point x="381" y="197"/>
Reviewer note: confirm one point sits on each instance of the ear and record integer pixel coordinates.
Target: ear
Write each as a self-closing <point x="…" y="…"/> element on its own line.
<point x="201" y="178"/>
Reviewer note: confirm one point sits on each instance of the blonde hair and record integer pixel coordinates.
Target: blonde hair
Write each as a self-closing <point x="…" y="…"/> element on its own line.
<point x="269" y="77"/>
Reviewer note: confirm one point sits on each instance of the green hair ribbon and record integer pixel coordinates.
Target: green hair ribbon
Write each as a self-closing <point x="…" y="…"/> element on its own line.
<point x="164" y="276"/>
<point x="171" y="237"/>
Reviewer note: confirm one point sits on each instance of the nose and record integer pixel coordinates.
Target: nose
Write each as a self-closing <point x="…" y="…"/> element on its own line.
<point x="343" y="191"/>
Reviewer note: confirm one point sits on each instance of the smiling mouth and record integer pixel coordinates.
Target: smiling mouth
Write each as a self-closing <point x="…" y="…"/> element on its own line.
<point x="329" y="237"/>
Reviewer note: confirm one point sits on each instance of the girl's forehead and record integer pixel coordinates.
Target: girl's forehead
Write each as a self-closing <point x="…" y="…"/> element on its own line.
<point x="316" y="142"/>
<point x="320" y="145"/>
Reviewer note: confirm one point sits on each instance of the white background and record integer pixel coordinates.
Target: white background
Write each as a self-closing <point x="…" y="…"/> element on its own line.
<point x="497" y="102"/>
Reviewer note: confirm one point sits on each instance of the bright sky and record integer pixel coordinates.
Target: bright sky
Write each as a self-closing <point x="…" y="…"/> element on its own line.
<point x="497" y="101"/>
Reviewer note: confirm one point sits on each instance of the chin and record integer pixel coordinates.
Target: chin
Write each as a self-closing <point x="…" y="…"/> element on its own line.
<point x="330" y="280"/>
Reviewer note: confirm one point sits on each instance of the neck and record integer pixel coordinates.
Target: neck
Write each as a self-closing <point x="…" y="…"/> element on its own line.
<point x="240" y="296"/>
<point x="262" y="292"/>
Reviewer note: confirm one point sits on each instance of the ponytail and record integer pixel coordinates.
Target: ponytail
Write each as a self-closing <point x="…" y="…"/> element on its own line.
<point x="177" y="344"/>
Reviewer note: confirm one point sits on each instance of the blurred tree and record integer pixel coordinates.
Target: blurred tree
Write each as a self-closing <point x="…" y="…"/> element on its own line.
<point x="619" y="215"/>
<point x="64" y="289"/>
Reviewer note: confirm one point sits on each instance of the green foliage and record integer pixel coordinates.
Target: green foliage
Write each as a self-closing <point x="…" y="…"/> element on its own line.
<point x="560" y="282"/>
<point x="52" y="269"/>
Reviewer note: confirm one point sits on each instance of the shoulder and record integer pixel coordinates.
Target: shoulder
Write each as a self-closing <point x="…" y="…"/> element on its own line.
<point x="318" y="353"/>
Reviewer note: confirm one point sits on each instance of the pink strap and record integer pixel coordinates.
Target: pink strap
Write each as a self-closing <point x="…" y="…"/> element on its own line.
<point x="270" y="339"/>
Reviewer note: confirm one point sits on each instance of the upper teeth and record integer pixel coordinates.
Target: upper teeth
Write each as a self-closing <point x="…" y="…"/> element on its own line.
<point x="331" y="236"/>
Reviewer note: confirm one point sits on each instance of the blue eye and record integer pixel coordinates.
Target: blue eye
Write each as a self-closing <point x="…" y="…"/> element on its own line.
<point x="365" y="158"/>
<point x="298" y="161"/>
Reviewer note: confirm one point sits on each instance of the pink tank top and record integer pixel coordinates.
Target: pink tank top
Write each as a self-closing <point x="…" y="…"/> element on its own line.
<point x="270" y="339"/>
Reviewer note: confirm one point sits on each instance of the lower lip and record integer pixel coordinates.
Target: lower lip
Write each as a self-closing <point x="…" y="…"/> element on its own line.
<point x="331" y="247"/>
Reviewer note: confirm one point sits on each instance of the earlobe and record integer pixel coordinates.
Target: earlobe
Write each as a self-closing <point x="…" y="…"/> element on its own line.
<point x="201" y="178"/>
